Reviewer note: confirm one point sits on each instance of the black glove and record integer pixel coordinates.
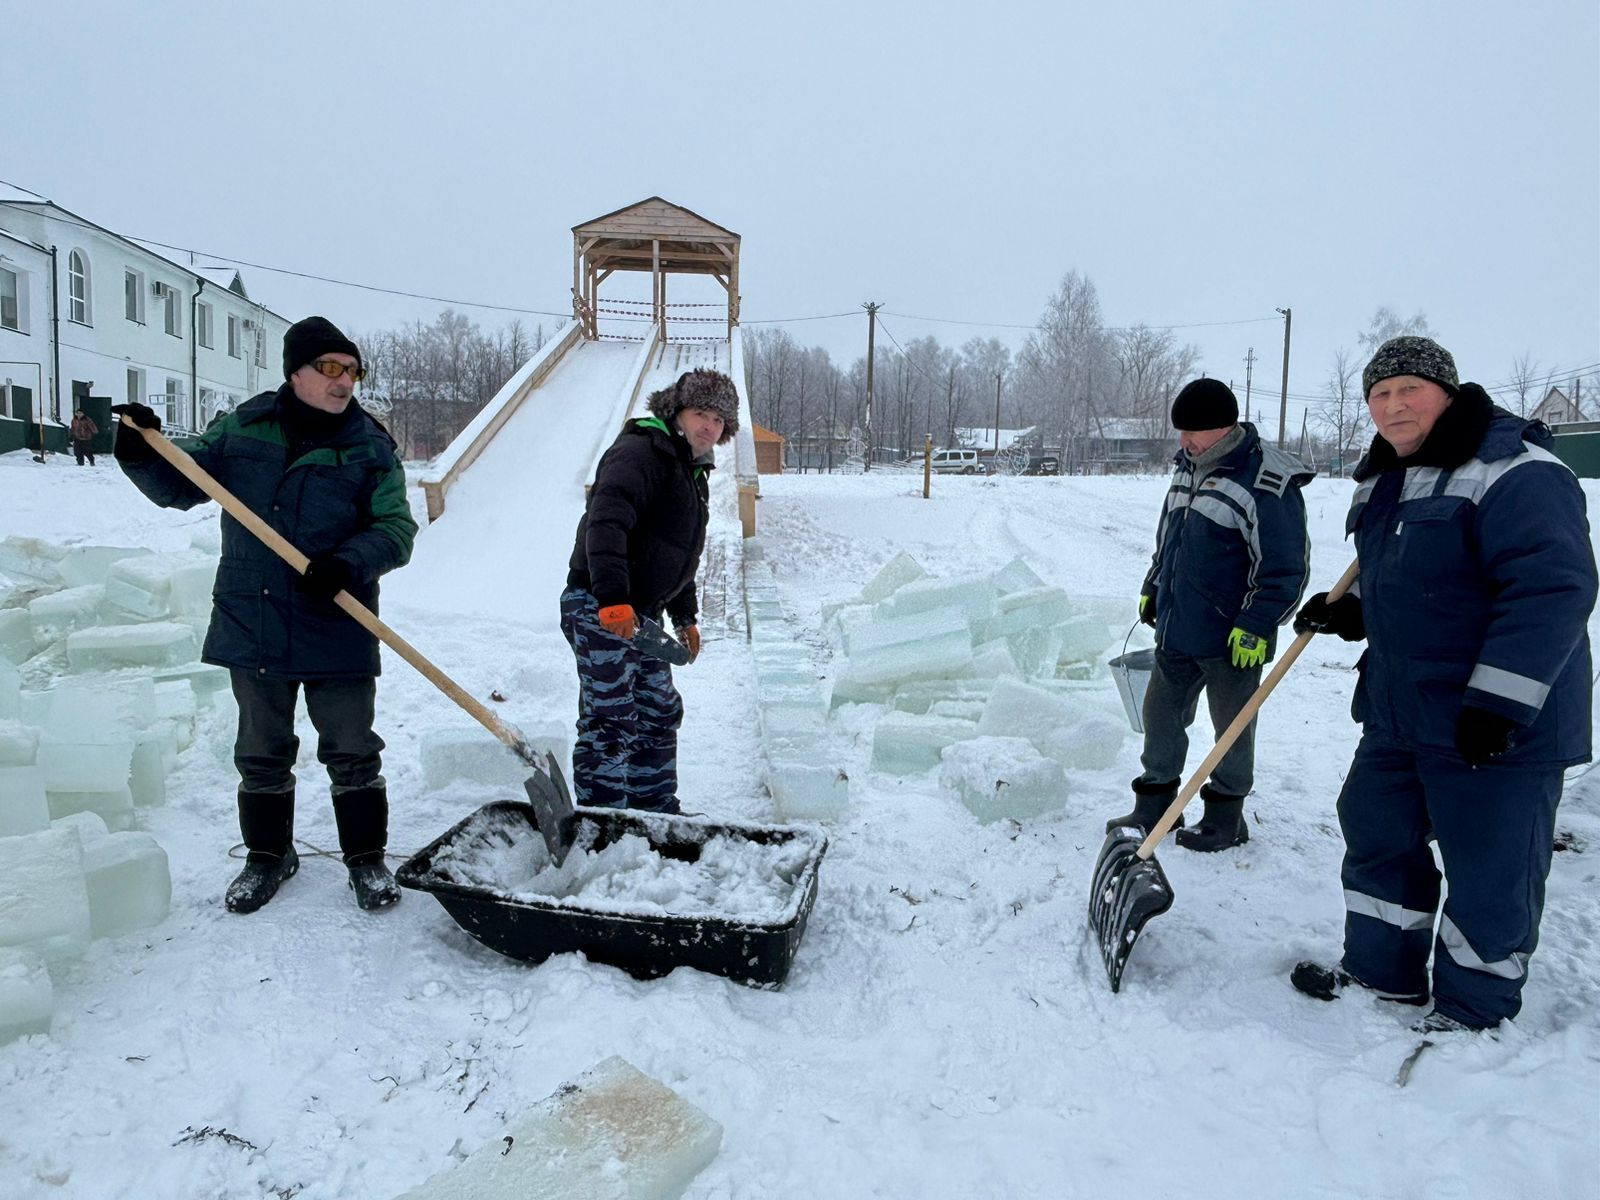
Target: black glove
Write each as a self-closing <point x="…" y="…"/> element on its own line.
<point x="130" y="445"/>
<point x="1147" y="611"/>
<point x="326" y="576"/>
<point x="1342" y="617"/>
<point x="1482" y="735"/>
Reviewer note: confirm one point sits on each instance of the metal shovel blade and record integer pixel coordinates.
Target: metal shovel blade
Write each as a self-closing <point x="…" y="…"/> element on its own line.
<point x="652" y="639"/>
<point x="1127" y="892"/>
<point x="552" y="809"/>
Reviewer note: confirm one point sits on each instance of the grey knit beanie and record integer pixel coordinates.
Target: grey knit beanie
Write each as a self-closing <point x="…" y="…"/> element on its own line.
<point x="700" y="388"/>
<point x="1411" y="355"/>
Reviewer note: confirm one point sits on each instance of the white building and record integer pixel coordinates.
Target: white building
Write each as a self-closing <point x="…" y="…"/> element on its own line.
<point x="89" y="318"/>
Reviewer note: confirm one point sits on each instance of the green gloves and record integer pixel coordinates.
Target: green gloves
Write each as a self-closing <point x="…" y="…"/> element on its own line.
<point x="1248" y="649"/>
<point x="1147" y="611"/>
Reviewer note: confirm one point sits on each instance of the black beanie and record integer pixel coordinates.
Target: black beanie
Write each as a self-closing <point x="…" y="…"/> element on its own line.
<point x="305" y="341"/>
<point x="1205" y="404"/>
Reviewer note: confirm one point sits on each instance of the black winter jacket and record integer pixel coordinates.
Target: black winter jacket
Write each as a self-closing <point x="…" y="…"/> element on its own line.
<point x="342" y="493"/>
<point x="644" y="525"/>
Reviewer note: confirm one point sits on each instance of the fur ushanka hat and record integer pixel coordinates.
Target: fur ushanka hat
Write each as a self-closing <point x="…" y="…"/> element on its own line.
<point x="700" y="388"/>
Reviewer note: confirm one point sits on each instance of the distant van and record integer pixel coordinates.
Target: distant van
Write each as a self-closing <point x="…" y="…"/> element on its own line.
<point x="956" y="462"/>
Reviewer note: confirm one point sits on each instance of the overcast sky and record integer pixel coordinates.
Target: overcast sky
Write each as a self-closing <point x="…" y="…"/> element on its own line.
<point x="1204" y="165"/>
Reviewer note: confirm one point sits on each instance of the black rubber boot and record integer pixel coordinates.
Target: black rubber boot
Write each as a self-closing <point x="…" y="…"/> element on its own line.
<point x="1150" y="801"/>
<point x="362" y="815"/>
<point x="1221" y="827"/>
<point x="1325" y="983"/>
<point x="266" y="822"/>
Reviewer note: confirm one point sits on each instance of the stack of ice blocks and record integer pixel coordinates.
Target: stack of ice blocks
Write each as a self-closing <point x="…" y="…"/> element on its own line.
<point x="995" y="679"/>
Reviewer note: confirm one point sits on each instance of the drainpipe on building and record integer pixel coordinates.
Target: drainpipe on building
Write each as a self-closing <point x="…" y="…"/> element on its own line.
<point x="194" y="351"/>
<point x="55" y="344"/>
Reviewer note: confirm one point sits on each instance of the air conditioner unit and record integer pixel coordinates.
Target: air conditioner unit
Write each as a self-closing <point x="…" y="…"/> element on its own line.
<point x="249" y="324"/>
<point x="157" y="288"/>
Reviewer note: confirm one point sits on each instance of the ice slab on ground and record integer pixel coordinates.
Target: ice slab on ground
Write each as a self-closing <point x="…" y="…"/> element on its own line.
<point x="19" y="744"/>
<point x="44" y="900"/>
<point x="472" y="752"/>
<point x="1084" y="638"/>
<point x="60" y="613"/>
<point x="903" y="744"/>
<point x="1016" y="576"/>
<point x="973" y="594"/>
<point x="105" y="709"/>
<point x="206" y="538"/>
<point x="129" y="884"/>
<point x="82" y="565"/>
<point x="613" y="1133"/>
<point x="206" y="680"/>
<point x="26" y="997"/>
<point x="111" y="647"/>
<point x="10" y="688"/>
<point x="71" y="764"/>
<point x="16" y="636"/>
<point x="994" y="659"/>
<point x="924" y="645"/>
<point x="1037" y="652"/>
<point x="32" y="558"/>
<point x="23" y="807"/>
<point x="848" y="691"/>
<point x="190" y="592"/>
<point x="1027" y="610"/>
<point x="114" y="807"/>
<point x="153" y="753"/>
<point x="921" y="695"/>
<point x="999" y="778"/>
<point x="895" y="574"/>
<point x="141" y="587"/>
<point x="803" y="791"/>
<point x="89" y="825"/>
<point x="1072" y="731"/>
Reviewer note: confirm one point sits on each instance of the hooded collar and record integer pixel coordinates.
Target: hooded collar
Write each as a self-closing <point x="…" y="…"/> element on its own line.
<point x="1455" y="437"/>
<point x="679" y="444"/>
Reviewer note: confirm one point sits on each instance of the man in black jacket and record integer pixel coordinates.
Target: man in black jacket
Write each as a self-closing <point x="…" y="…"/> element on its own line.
<point x="316" y="467"/>
<point x="636" y="553"/>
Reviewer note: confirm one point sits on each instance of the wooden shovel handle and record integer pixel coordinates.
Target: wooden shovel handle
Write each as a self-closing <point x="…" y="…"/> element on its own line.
<point x="368" y="620"/>
<point x="1246" y="715"/>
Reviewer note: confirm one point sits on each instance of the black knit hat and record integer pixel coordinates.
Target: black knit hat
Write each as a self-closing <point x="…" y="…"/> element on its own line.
<point x="1411" y="355"/>
<point x="700" y="388"/>
<point x="305" y="341"/>
<point x="1205" y="404"/>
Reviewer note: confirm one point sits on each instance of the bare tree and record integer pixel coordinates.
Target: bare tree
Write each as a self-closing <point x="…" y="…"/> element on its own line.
<point x="1342" y="418"/>
<point x="1386" y="324"/>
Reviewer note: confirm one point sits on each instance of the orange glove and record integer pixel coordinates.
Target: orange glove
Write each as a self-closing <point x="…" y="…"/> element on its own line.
<point x="689" y="635"/>
<point x="618" y="619"/>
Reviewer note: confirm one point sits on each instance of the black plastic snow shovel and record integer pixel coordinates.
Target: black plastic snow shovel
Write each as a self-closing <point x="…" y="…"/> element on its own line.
<point x="547" y="790"/>
<point x="1129" y="886"/>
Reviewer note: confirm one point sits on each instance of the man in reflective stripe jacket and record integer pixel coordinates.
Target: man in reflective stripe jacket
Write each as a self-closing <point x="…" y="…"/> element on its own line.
<point x="1229" y="567"/>
<point x="1477" y="580"/>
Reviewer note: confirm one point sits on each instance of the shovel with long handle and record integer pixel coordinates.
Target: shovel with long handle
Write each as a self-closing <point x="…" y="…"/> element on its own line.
<point x="547" y="790"/>
<point x="1129" y="886"/>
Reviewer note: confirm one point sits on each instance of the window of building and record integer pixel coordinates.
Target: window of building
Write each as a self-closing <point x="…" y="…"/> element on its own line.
<point x="172" y="314"/>
<point x="202" y="324"/>
<point x="233" y="336"/>
<point x="10" y="300"/>
<point x="78" y="287"/>
<point x="176" y="416"/>
<point x="133" y="295"/>
<point x="136" y="387"/>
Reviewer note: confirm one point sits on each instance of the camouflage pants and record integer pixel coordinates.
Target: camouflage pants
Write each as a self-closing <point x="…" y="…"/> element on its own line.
<point x="626" y="754"/>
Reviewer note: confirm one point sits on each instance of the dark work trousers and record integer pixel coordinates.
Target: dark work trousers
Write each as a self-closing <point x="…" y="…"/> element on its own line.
<point x="342" y="712"/>
<point x="1170" y="702"/>
<point x="626" y="754"/>
<point x="1495" y="828"/>
<point x="81" y="451"/>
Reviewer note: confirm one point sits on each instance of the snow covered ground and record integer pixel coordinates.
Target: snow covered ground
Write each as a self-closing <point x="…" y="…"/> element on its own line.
<point x="947" y="1030"/>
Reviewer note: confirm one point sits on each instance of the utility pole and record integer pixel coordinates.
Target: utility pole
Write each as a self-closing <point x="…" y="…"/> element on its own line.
<point x="997" y="377"/>
<point x="872" y="308"/>
<point x="1249" y="368"/>
<point x="1283" y="400"/>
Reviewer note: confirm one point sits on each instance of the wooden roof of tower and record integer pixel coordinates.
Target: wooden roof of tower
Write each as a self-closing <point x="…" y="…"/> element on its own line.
<point x="657" y="236"/>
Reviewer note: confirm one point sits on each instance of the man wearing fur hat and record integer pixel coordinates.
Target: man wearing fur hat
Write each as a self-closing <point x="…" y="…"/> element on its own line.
<point x="636" y="553"/>
<point x="1229" y="567"/>
<point x="315" y="466"/>
<point x="1477" y="580"/>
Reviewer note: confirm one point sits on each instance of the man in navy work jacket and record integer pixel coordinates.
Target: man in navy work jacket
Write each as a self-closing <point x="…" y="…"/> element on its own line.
<point x="635" y="554"/>
<point x="316" y="467"/>
<point x="1229" y="567"/>
<point x="1477" y="579"/>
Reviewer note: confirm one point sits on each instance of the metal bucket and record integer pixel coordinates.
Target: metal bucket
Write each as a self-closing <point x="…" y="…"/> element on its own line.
<point x="1132" y="673"/>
